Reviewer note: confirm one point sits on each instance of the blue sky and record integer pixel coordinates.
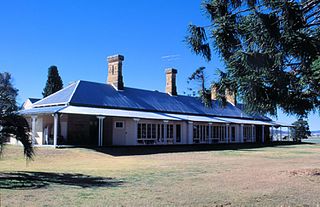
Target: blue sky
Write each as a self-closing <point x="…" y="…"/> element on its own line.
<point x="77" y="36"/>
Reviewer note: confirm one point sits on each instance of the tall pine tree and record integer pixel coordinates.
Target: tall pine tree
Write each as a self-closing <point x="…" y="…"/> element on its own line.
<point x="54" y="82"/>
<point x="268" y="47"/>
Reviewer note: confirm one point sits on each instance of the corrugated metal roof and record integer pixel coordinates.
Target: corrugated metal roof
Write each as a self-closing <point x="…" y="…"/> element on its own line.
<point x="41" y="110"/>
<point x="281" y="124"/>
<point x="84" y="93"/>
<point x="58" y="98"/>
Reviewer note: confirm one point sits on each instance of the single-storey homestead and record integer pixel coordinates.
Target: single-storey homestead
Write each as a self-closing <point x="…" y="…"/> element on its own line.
<point x="104" y="114"/>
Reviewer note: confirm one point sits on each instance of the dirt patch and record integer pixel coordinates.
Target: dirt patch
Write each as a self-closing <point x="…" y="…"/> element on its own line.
<point x="306" y="172"/>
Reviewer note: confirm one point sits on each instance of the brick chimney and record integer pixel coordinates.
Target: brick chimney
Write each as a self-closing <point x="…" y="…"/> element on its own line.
<point x="171" y="86"/>
<point x="231" y="97"/>
<point x="214" y="92"/>
<point x="115" y="71"/>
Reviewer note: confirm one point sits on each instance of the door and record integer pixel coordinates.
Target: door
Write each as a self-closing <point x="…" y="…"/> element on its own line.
<point x="119" y="132"/>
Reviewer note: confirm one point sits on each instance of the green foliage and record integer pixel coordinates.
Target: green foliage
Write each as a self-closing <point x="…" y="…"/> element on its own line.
<point x="12" y="124"/>
<point x="54" y="82"/>
<point x="300" y="130"/>
<point x="8" y="94"/>
<point x="204" y="93"/>
<point x="270" y="48"/>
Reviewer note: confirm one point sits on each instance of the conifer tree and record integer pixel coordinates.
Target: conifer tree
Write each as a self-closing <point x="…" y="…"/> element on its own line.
<point x="270" y="49"/>
<point x="54" y="82"/>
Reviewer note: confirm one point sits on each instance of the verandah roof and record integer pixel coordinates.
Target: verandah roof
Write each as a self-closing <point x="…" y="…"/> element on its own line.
<point x="136" y="114"/>
<point x="140" y="114"/>
<point x="245" y="121"/>
<point x="42" y="110"/>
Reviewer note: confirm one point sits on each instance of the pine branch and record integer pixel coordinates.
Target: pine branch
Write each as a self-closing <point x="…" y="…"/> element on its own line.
<point x="310" y="6"/>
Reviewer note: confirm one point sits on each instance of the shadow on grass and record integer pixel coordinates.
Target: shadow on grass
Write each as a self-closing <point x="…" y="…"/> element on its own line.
<point x="156" y="149"/>
<point x="25" y="180"/>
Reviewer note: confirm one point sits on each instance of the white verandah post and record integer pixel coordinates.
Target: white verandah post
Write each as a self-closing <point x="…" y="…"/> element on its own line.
<point x="190" y="132"/>
<point x="33" y="136"/>
<point x="55" y="129"/>
<point x="165" y="123"/>
<point x="135" y="134"/>
<point x="100" y="134"/>
<point x="241" y="133"/>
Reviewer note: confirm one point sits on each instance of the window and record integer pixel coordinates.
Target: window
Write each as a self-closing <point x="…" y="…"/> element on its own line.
<point x="149" y="130"/>
<point x="151" y="133"/>
<point x="143" y="130"/>
<point x="223" y="133"/>
<point x="147" y="133"/>
<point x="119" y="124"/>
<point x="178" y="133"/>
<point x="247" y="133"/>
<point x="160" y="133"/>
<point x="218" y="133"/>
<point x="170" y="133"/>
<point x="233" y="133"/>
<point x="200" y="133"/>
<point x="139" y="131"/>
<point x="154" y="131"/>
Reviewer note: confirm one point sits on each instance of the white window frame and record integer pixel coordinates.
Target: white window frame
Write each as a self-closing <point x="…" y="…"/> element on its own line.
<point x="115" y="124"/>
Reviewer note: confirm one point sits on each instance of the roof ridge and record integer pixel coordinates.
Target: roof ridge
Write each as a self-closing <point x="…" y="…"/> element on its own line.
<point x="74" y="90"/>
<point x="141" y="89"/>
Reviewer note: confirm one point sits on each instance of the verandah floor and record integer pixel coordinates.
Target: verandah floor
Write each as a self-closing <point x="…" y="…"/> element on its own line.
<point x="287" y="175"/>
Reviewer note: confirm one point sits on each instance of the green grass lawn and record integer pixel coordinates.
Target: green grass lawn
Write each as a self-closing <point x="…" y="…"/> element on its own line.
<point x="286" y="175"/>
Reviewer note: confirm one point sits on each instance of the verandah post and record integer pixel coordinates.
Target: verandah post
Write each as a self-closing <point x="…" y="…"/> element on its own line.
<point x="241" y="133"/>
<point x="100" y="128"/>
<point x="55" y="129"/>
<point x="33" y="138"/>
<point x="190" y="132"/>
<point x="165" y="123"/>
